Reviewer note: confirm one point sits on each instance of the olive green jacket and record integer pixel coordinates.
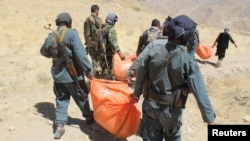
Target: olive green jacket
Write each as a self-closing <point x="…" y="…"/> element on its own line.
<point x="90" y="27"/>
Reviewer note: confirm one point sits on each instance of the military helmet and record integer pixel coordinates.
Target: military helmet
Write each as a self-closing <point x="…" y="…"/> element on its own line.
<point x="63" y="18"/>
<point x="111" y="18"/>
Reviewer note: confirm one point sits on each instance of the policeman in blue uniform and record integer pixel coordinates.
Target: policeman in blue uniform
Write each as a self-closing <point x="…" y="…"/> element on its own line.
<point x="64" y="86"/>
<point x="162" y="109"/>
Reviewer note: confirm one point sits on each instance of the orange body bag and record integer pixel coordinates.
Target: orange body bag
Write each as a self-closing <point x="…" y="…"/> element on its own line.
<point x="204" y="51"/>
<point x="121" y="66"/>
<point x="112" y="107"/>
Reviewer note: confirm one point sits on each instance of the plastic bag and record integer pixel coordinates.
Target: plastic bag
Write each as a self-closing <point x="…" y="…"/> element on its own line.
<point x="113" y="109"/>
<point x="121" y="66"/>
<point x="204" y="51"/>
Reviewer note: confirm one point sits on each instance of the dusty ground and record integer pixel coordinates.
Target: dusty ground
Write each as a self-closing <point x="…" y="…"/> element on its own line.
<point x="26" y="96"/>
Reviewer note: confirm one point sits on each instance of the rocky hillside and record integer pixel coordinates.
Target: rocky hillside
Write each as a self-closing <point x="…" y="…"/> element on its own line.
<point x="220" y="13"/>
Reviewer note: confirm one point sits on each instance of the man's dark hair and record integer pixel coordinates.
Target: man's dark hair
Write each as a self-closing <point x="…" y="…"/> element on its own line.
<point x="94" y="8"/>
<point x="155" y="22"/>
<point x="169" y="18"/>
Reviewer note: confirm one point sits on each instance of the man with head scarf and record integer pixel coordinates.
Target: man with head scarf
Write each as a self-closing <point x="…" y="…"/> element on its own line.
<point x="222" y="44"/>
<point x="165" y="76"/>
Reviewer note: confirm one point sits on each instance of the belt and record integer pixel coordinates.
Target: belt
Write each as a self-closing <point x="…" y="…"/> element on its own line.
<point x="161" y="99"/>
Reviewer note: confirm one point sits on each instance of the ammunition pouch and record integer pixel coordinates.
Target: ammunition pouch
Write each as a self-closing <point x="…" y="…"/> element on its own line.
<point x="94" y="50"/>
<point x="180" y="95"/>
<point x="91" y="45"/>
<point x="58" y="64"/>
<point x="54" y="51"/>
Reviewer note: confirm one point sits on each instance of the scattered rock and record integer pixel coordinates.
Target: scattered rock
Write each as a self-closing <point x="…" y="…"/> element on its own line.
<point x="246" y="118"/>
<point x="12" y="128"/>
<point x="31" y="65"/>
<point x="50" y="122"/>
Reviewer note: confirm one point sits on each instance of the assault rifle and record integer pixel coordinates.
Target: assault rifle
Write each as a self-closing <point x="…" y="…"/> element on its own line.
<point x="64" y="57"/>
<point x="101" y="43"/>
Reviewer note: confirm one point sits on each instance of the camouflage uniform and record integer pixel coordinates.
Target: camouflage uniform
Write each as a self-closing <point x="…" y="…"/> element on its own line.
<point x="154" y="32"/>
<point x="91" y="25"/>
<point x="110" y="37"/>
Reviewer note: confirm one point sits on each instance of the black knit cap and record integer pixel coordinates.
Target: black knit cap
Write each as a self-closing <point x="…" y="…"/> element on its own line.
<point x="63" y="18"/>
<point x="180" y="26"/>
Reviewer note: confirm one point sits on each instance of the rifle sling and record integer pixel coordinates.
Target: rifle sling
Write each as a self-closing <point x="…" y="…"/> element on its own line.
<point x="62" y="35"/>
<point x="94" y="22"/>
<point x="72" y="70"/>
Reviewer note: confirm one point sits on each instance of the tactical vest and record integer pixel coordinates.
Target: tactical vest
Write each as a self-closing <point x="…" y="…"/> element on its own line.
<point x="152" y="34"/>
<point x="148" y="36"/>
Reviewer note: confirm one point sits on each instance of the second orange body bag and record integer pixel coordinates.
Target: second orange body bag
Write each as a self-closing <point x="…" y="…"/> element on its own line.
<point x="204" y="51"/>
<point x="121" y="66"/>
